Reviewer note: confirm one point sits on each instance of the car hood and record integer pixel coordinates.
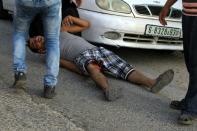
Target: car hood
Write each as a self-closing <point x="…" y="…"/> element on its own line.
<point x="92" y="6"/>
<point x="177" y="5"/>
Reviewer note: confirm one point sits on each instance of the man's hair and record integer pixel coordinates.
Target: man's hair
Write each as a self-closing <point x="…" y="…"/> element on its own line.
<point x="33" y="50"/>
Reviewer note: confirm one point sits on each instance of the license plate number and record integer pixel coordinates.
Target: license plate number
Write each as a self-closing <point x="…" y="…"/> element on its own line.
<point x="162" y="31"/>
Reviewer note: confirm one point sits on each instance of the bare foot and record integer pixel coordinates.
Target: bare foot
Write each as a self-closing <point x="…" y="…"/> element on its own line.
<point x="113" y="93"/>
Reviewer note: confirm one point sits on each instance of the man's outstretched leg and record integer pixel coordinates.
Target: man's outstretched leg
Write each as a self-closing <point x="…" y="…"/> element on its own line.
<point x="111" y="93"/>
<point x="121" y="69"/>
<point x="154" y="85"/>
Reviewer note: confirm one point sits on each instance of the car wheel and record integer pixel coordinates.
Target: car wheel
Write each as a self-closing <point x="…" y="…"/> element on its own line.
<point x="3" y="13"/>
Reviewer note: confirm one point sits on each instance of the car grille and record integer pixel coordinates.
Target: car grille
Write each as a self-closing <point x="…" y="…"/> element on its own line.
<point x="151" y="10"/>
<point x="151" y="39"/>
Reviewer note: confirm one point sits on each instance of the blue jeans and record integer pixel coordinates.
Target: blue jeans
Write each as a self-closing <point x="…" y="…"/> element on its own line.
<point x="190" y="53"/>
<point x="26" y="10"/>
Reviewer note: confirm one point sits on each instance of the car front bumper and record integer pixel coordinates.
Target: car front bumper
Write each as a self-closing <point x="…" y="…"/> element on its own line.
<point x="131" y="31"/>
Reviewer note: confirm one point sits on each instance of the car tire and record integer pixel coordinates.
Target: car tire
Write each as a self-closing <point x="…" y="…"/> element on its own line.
<point x="3" y="13"/>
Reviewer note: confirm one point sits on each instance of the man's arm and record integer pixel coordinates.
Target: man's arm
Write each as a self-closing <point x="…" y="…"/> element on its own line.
<point x="165" y="11"/>
<point x="70" y="66"/>
<point x="74" y="24"/>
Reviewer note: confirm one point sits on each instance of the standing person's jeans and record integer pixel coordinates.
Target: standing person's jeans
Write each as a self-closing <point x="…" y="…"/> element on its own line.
<point x="50" y="11"/>
<point x="190" y="52"/>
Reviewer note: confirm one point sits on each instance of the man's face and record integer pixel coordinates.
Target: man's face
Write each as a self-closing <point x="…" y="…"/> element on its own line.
<point x="37" y="43"/>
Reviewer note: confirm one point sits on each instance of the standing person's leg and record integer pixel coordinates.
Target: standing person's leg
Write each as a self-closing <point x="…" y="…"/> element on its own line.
<point x="187" y="28"/>
<point x="180" y="104"/>
<point x="22" y="20"/>
<point x="51" y="22"/>
<point x="189" y="110"/>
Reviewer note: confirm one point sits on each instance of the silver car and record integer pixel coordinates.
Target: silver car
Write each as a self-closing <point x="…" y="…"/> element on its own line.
<point x="129" y="23"/>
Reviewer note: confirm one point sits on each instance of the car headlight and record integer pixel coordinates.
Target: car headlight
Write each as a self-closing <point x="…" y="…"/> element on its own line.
<point x="114" y="5"/>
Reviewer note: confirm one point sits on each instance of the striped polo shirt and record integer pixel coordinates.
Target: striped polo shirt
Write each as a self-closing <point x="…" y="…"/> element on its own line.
<point x="190" y="7"/>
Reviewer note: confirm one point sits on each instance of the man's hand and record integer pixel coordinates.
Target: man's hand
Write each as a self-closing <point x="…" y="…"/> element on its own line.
<point x="68" y="21"/>
<point x="165" y="10"/>
<point x="163" y="14"/>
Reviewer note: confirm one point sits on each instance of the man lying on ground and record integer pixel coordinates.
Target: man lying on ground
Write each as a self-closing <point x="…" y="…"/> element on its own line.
<point x="82" y="57"/>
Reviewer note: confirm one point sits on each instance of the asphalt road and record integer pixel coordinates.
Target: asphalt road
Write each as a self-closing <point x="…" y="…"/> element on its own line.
<point x="82" y="104"/>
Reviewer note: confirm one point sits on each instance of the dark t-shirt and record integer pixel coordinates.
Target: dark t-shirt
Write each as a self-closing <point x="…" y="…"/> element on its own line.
<point x="67" y="4"/>
<point x="36" y="27"/>
<point x="68" y="8"/>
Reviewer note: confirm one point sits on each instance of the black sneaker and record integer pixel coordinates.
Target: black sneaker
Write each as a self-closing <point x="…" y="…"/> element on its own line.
<point x="177" y="105"/>
<point x="20" y="80"/>
<point x="49" y="91"/>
